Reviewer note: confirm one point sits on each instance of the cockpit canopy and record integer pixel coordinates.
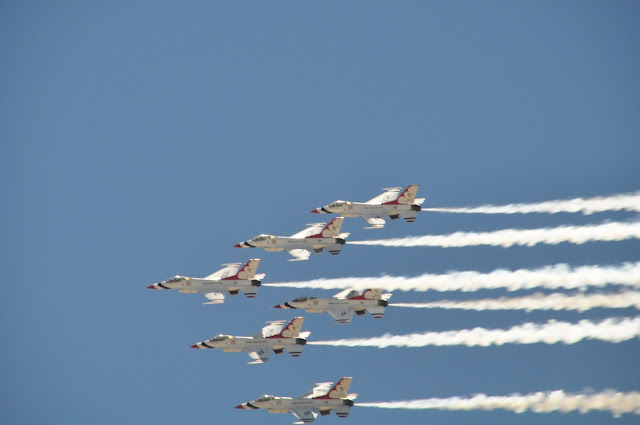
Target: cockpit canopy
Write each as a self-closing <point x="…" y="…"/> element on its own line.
<point x="265" y="397"/>
<point x="338" y="204"/>
<point x="220" y="338"/>
<point x="176" y="279"/>
<point x="262" y="238"/>
<point x="303" y="299"/>
<point x="353" y="293"/>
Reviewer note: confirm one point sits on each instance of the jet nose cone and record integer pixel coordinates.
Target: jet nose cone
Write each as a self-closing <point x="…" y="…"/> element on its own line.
<point x="277" y="306"/>
<point x="194" y="346"/>
<point x="152" y="286"/>
<point x="240" y="406"/>
<point x="238" y="246"/>
<point x="315" y="211"/>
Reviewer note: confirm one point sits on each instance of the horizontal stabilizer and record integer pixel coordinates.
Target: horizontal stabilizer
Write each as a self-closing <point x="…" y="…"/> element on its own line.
<point x="334" y="249"/>
<point x="410" y="216"/>
<point x="342" y="411"/>
<point x="376" y="312"/>
<point x="294" y="350"/>
<point x="249" y="291"/>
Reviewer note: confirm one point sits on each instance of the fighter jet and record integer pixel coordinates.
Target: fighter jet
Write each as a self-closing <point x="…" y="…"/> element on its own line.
<point x="315" y="237"/>
<point x="230" y="279"/>
<point x="392" y="203"/>
<point x="274" y="337"/>
<point x="322" y="399"/>
<point x="342" y="306"/>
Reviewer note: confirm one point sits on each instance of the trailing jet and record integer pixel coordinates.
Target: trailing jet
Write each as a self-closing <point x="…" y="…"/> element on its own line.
<point x="322" y="399"/>
<point x="392" y="203"/>
<point x="230" y="279"/>
<point x="274" y="337"/>
<point x="342" y="306"/>
<point x="316" y="237"/>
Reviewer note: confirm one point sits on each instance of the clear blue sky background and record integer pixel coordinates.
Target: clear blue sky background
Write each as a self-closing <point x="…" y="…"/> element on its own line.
<point x="143" y="139"/>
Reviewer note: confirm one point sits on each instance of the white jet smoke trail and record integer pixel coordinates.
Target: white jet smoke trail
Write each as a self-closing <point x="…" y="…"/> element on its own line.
<point x="612" y="330"/>
<point x="550" y="277"/>
<point x="607" y="232"/>
<point x="580" y="302"/>
<point x="615" y="402"/>
<point x="626" y="202"/>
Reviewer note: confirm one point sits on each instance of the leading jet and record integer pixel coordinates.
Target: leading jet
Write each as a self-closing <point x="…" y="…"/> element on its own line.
<point x="316" y="237"/>
<point x="231" y="280"/>
<point x="343" y="304"/>
<point x="393" y="203"/>
<point x="322" y="399"/>
<point x="274" y="337"/>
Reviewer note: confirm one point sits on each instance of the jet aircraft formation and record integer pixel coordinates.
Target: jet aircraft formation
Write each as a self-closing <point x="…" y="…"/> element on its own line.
<point x="279" y="335"/>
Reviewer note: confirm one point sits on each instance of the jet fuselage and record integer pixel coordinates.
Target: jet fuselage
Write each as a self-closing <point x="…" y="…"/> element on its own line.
<point x="320" y="305"/>
<point x="243" y="343"/>
<point x="357" y="209"/>
<point x="286" y="404"/>
<point x="194" y="285"/>
<point x="284" y="243"/>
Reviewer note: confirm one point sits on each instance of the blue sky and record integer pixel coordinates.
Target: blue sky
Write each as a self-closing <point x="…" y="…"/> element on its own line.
<point x="143" y="139"/>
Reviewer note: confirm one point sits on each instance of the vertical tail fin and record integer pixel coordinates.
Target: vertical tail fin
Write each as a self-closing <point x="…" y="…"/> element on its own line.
<point x="340" y="389"/>
<point x="292" y="330"/>
<point x="372" y="294"/>
<point x="367" y="294"/>
<point x="407" y="196"/>
<point x="246" y="272"/>
<point x="331" y="230"/>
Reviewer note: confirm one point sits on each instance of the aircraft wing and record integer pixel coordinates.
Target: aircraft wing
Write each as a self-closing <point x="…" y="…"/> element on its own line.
<point x="229" y="270"/>
<point x="389" y="195"/>
<point x="299" y="254"/>
<point x="310" y="230"/>
<point x="259" y="356"/>
<point x="320" y="389"/>
<point x="374" y="222"/>
<point x="343" y="315"/>
<point x="214" y="297"/>
<point x="305" y="415"/>
<point x="273" y="328"/>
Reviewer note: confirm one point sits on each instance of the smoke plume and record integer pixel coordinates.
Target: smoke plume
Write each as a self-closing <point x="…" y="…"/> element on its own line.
<point x="626" y="202"/>
<point x="612" y="330"/>
<point x="607" y="232"/>
<point x="612" y="401"/>
<point x="579" y="302"/>
<point x="559" y="276"/>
